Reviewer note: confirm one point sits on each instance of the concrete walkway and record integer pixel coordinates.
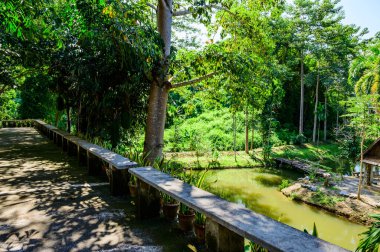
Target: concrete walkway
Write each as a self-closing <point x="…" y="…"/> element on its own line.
<point x="349" y="186"/>
<point x="48" y="203"/>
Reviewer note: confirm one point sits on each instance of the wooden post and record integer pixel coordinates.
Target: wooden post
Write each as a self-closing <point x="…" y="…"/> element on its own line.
<point x="221" y="239"/>
<point x="148" y="201"/>
<point x="368" y="171"/>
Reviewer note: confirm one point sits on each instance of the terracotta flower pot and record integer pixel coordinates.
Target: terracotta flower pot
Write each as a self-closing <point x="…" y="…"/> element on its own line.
<point x="132" y="189"/>
<point x="170" y="210"/>
<point x="200" y="231"/>
<point x="186" y="221"/>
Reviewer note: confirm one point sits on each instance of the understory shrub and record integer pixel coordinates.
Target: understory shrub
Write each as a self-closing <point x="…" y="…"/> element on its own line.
<point x="213" y="130"/>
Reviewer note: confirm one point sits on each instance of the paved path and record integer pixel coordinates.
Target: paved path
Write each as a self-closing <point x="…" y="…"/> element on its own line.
<point x="48" y="203"/>
<point x="349" y="185"/>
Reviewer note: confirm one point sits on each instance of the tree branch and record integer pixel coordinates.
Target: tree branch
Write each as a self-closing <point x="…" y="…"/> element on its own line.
<point x="152" y="6"/>
<point x="211" y="6"/>
<point x="193" y="81"/>
<point x="2" y="90"/>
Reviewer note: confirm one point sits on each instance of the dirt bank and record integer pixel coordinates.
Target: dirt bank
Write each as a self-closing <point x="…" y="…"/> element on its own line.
<point x="335" y="201"/>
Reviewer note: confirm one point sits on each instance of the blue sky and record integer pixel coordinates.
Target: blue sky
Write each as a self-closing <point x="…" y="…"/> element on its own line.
<point x="364" y="13"/>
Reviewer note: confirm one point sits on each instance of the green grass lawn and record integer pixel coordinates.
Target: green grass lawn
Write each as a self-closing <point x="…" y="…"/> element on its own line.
<point x="225" y="159"/>
<point x="323" y="154"/>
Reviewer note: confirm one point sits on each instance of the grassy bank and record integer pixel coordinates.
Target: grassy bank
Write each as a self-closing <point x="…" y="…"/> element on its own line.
<point x="323" y="154"/>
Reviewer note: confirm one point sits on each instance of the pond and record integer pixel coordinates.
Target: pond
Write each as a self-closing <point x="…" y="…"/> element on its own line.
<point x="257" y="189"/>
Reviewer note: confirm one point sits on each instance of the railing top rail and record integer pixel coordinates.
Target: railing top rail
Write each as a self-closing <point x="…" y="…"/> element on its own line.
<point x="110" y="157"/>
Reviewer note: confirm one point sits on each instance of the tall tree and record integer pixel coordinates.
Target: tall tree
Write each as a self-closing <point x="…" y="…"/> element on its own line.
<point x="161" y="84"/>
<point x="300" y="14"/>
<point x="361" y="110"/>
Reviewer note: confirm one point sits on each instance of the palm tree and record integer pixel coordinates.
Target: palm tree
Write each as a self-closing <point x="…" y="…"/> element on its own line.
<point x="365" y="71"/>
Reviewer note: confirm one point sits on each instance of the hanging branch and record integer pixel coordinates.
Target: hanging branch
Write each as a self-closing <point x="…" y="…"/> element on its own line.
<point x="210" y="6"/>
<point x="193" y="81"/>
<point x="152" y="6"/>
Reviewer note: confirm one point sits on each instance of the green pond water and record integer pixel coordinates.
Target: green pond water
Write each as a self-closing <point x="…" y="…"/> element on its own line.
<point x="257" y="189"/>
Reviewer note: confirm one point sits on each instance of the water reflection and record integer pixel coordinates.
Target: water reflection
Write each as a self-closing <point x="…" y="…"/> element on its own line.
<point x="257" y="190"/>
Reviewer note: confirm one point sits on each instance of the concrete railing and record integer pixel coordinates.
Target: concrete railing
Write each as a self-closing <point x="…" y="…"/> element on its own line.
<point x="98" y="160"/>
<point x="16" y="123"/>
<point x="227" y="223"/>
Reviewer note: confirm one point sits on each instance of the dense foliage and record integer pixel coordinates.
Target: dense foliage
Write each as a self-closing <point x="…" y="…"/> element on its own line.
<point x="93" y="61"/>
<point x="270" y="73"/>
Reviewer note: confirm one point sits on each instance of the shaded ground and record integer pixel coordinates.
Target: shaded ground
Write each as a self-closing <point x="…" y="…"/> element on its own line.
<point x="48" y="203"/>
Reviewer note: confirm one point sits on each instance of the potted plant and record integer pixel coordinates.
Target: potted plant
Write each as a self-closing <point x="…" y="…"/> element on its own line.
<point x="200" y="219"/>
<point x="141" y="159"/>
<point x="199" y="227"/>
<point x="186" y="218"/>
<point x="132" y="186"/>
<point x="170" y="207"/>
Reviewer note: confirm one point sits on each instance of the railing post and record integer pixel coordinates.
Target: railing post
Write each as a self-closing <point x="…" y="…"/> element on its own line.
<point x="65" y="144"/>
<point x="59" y="139"/>
<point x="221" y="239"/>
<point x="148" y="201"/>
<point x="93" y="165"/>
<point x="82" y="155"/>
<point x="118" y="179"/>
<point x="71" y="148"/>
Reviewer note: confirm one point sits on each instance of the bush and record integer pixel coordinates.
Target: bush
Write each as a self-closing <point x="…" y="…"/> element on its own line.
<point x="9" y="104"/>
<point x="287" y="136"/>
<point x="284" y="183"/>
<point x="300" y="139"/>
<point x="211" y="130"/>
<point x="36" y="99"/>
<point x="321" y="198"/>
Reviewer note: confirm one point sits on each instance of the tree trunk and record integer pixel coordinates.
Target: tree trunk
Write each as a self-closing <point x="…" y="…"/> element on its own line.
<point x="337" y="119"/>
<point x="369" y="174"/>
<point x="316" y="108"/>
<point x="300" y="132"/>
<point x="361" y="166"/>
<point x="319" y="126"/>
<point x="82" y="119"/>
<point x="253" y="132"/>
<point x="246" y="132"/>
<point x="79" y="123"/>
<point x="68" y="119"/>
<point x="234" y="129"/>
<point x="56" y="118"/>
<point x="325" y="121"/>
<point x="155" y="123"/>
<point x="337" y="124"/>
<point x="159" y="89"/>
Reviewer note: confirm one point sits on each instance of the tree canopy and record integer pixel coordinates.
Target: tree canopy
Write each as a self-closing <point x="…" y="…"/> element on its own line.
<point x="112" y="68"/>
